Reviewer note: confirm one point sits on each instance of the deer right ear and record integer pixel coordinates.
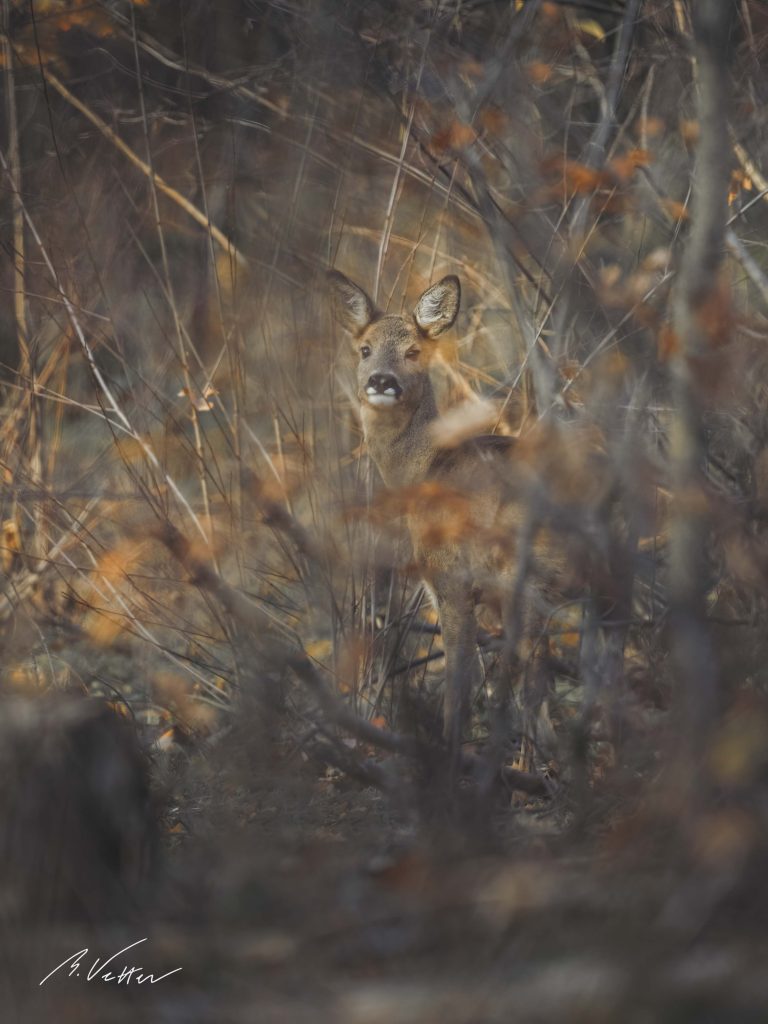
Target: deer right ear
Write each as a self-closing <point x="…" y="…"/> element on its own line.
<point x="438" y="307"/>
<point x="352" y="307"/>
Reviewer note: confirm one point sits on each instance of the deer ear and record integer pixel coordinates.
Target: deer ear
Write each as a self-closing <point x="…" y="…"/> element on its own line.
<point x="436" y="310"/>
<point x="351" y="306"/>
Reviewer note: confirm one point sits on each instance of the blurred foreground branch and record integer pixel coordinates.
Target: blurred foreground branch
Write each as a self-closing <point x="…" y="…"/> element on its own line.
<point x="701" y="303"/>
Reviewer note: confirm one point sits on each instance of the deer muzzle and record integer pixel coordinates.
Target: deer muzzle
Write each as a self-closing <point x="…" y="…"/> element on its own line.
<point x="383" y="390"/>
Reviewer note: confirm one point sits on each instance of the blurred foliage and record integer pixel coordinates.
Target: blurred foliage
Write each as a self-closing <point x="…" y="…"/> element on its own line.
<point x="192" y="529"/>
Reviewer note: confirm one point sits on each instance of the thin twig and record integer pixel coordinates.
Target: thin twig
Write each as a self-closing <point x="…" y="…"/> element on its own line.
<point x="101" y="381"/>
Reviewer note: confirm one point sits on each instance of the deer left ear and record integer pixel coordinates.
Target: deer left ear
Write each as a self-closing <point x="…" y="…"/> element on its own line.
<point x="437" y="308"/>
<point x="352" y="306"/>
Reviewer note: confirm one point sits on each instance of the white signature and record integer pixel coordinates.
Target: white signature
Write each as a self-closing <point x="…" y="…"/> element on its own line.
<point x="98" y="971"/>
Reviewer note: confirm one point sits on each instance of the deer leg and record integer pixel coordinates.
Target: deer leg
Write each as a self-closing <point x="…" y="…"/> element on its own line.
<point x="538" y="731"/>
<point x="526" y="674"/>
<point x="459" y="629"/>
<point x="525" y="660"/>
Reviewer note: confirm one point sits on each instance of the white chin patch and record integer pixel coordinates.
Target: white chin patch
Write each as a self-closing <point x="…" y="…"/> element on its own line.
<point x="381" y="401"/>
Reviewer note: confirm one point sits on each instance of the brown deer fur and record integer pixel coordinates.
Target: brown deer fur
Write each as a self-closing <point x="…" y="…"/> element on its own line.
<point x="481" y="477"/>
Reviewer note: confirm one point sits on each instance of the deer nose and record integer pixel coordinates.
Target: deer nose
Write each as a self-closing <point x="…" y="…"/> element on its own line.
<point x="383" y="384"/>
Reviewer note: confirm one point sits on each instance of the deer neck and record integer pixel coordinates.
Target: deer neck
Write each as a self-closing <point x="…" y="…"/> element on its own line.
<point x="400" y="441"/>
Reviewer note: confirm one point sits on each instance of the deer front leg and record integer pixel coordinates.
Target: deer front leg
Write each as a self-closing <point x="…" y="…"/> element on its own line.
<point x="527" y="673"/>
<point x="459" y="629"/>
<point x="539" y="739"/>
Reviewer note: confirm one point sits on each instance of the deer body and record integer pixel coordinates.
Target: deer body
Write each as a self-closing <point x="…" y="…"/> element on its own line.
<point x="398" y="411"/>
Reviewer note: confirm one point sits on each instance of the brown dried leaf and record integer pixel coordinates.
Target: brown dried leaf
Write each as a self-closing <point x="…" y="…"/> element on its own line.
<point x="714" y="313"/>
<point x="690" y="131"/>
<point x="675" y="211"/>
<point x="493" y="119"/>
<point x="115" y="564"/>
<point x="103" y="627"/>
<point x="668" y="343"/>
<point x="11" y="544"/>
<point x="623" y="167"/>
<point x="538" y="72"/>
<point x="457" y="136"/>
<point x="652" y="127"/>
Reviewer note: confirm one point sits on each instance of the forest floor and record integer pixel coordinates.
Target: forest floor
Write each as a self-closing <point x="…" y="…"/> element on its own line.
<point x="290" y="896"/>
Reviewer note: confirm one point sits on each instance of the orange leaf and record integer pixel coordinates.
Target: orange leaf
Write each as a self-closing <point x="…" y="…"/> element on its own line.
<point x="676" y="211"/>
<point x="493" y="119"/>
<point x="623" y="167"/>
<point x="538" y="72"/>
<point x="319" y="650"/>
<point x="577" y="176"/>
<point x="457" y="136"/>
<point x="653" y="127"/>
<point x="473" y="69"/>
<point x="667" y="343"/>
<point x="115" y="564"/>
<point x="103" y="627"/>
<point x="11" y="544"/>
<point x="739" y="182"/>
<point x="581" y="178"/>
<point x="714" y="314"/>
<point x="690" y="130"/>
<point x="119" y="707"/>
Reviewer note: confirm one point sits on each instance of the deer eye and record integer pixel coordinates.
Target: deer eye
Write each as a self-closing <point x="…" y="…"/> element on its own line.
<point x="413" y="353"/>
<point x="365" y="351"/>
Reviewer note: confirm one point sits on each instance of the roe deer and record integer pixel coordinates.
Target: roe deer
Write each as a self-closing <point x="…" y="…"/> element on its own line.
<point x="399" y="415"/>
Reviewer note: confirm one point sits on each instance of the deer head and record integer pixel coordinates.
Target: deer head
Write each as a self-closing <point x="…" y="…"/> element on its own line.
<point x="394" y="352"/>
